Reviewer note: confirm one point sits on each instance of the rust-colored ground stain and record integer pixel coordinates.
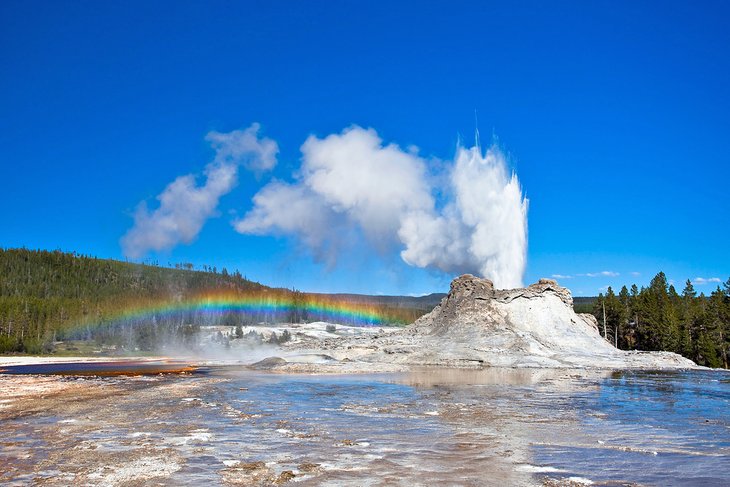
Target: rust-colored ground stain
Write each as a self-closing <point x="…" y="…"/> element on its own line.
<point x="103" y="369"/>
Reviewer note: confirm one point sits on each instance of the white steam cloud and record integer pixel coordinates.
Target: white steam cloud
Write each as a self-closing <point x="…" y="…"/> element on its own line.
<point x="352" y="182"/>
<point x="185" y="206"/>
<point x="244" y="147"/>
<point x="482" y="229"/>
<point x="345" y="179"/>
<point x="281" y="208"/>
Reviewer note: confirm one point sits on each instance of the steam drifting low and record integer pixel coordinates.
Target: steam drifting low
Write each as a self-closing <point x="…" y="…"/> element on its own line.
<point x="350" y="187"/>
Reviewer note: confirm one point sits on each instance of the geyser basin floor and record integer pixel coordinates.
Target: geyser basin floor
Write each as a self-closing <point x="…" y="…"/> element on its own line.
<point x="428" y="427"/>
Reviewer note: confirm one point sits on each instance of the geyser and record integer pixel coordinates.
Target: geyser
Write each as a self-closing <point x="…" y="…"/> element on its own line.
<point x="482" y="229"/>
<point x="473" y="220"/>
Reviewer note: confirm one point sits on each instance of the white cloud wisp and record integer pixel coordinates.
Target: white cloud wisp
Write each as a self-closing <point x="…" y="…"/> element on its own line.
<point x="701" y="281"/>
<point x="185" y="206"/>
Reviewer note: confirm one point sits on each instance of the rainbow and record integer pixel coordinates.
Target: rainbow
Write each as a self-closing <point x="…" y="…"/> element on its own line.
<point x="272" y="306"/>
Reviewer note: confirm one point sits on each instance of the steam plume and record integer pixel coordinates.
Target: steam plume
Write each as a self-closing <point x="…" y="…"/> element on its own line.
<point x="482" y="229"/>
<point x="352" y="182"/>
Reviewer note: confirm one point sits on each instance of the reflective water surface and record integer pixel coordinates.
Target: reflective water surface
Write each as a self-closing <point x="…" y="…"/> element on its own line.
<point x="430" y="427"/>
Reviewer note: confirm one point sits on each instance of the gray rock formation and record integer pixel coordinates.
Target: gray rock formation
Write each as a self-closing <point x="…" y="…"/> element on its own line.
<point x="532" y="326"/>
<point x="535" y="325"/>
<point x="478" y="325"/>
<point x="473" y="303"/>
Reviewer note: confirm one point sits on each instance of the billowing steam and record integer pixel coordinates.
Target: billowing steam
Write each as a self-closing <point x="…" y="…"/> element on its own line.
<point x="347" y="182"/>
<point x="352" y="187"/>
<point x="351" y="183"/>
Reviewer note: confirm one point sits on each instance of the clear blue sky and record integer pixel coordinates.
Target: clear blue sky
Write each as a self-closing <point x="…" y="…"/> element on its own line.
<point x="614" y="114"/>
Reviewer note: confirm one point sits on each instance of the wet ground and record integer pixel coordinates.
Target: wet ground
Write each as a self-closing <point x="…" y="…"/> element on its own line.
<point x="232" y="426"/>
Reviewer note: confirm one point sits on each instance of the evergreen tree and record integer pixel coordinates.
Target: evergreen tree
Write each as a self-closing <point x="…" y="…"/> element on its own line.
<point x="599" y="311"/>
<point x="715" y="329"/>
<point x="659" y="328"/>
<point x="689" y="317"/>
<point x="635" y="311"/>
<point x="671" y="339"/>
<point x="625" y="301"/>
<point x="707" y="350"/>
<point x="725" y="324"/>
<point x="614" y="316"/>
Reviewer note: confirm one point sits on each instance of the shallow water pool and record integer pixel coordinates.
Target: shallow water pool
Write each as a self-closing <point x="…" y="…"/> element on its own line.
<point x="233" y="426"/>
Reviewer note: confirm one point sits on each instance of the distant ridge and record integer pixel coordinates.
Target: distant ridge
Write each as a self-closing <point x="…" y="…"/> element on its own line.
<point x="427" y="302"/>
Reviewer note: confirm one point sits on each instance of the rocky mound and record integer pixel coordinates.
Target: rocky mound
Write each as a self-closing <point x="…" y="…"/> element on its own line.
<point x="532" y="326"/>
<point x="476" y="325"/>
<point x="537" y="320"/>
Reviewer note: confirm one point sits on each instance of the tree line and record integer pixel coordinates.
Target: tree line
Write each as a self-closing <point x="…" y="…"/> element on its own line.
<point x="48" y="296"/>
<point x="657" y="317"/>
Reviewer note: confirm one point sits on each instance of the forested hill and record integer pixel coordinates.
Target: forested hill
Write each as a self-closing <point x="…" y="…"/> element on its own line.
<point x="44" y="295"/>
<point x="53" y="275"/>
